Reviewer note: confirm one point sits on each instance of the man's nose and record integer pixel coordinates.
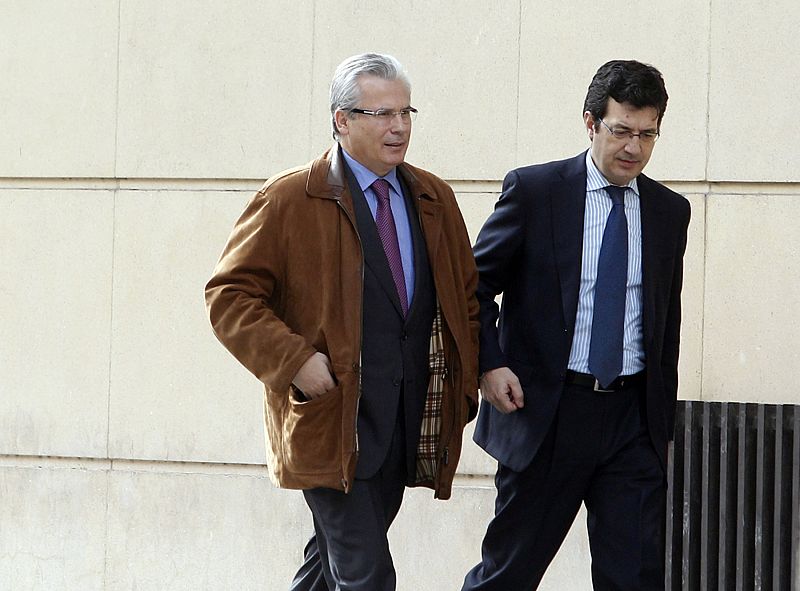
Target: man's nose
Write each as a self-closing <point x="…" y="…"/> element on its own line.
<point x="399" y="122"/>
<point x="633" y="144"/>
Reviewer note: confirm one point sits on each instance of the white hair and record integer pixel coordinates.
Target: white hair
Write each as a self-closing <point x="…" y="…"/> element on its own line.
<point x="345" y="92"/>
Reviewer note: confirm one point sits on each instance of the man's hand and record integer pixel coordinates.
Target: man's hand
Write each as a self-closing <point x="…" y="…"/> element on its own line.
<point x="500" y="387"/>
<point x="315" y="376"/>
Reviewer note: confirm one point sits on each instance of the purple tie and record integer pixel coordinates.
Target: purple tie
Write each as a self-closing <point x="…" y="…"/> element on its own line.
<point x="384" y="220"/>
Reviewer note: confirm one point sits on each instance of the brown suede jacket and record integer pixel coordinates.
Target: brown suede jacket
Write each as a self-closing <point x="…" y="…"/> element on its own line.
<point x="289" y="283"/>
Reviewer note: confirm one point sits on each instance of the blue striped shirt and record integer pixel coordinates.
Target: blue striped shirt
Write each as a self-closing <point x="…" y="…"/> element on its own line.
<point x="598" y="206"/>
<point x="365" y="177"/>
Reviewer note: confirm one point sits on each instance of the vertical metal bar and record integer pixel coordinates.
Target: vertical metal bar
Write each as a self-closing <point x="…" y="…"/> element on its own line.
<point x="687" y="499"/>
<point x="740" y="500"/>
<point x="766" y="550"/>
<point x="669" y="531"/>
<point x="795" y="551"/>
<point x="712" y="508"/>
<point x="777" y="493"/>
<point x="704" y="503"/>
<point x="758" y="533"/>
<point x="724" y="478"/>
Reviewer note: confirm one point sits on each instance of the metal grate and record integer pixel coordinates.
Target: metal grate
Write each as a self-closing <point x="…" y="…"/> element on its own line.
<point x="733" y="502"/>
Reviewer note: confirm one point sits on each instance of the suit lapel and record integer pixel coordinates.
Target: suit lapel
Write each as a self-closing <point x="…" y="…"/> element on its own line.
<point x="429" y="210"/>
<point x="568" y="203"/>
<point x="431" y="219"/>
<point x="421" y="266"/>
<point x="650" y="213"/>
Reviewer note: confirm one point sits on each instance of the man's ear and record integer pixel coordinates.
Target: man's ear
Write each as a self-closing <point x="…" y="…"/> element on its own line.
<point x="342" y="122"/>
<point x="588" y="121"/>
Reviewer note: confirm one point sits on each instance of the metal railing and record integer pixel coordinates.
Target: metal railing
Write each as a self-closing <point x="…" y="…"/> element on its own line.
<point x="733" y="502"/>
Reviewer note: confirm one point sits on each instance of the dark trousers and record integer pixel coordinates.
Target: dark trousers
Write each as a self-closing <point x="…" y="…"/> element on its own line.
<point x="349" y="550"/>
<point x="598" y="452"/>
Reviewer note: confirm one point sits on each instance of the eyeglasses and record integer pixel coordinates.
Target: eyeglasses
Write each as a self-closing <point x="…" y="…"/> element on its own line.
<point x="645" y="137"/>
<point x="385" y="116"/>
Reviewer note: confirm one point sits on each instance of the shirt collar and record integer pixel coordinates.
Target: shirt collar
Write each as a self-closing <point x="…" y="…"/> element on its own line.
<point x="365" y="177"/>
<point x="595" y="180"/>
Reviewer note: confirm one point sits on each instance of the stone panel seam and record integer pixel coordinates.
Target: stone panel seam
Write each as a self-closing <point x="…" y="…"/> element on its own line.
<point x="473" y="481"/>
<point x="116" y="98"/>
<point x="54" y="462"/>
<point x="128" y="465"/>
<point x="252" y="185"/>
<point x="108" y="397"/>
<point x="708" y="88"/>
<point x="110" y="465"/>
<point x="703" y="274"/>
<point x="106" y="527"/>
<point x="111" y="321"/>
<point x="311" y="113"/>
<point x="519" y="79"/>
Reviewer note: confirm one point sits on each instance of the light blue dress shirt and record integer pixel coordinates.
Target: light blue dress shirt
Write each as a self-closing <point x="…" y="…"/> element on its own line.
<point x="598" y="206"/>
<point x="365" y="177"/>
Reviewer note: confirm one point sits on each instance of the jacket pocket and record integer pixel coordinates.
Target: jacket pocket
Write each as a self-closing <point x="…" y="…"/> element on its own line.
<point x="312" y="433"/>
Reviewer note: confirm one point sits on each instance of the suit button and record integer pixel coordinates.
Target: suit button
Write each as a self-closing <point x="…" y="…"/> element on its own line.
<point x="396" y="383"/>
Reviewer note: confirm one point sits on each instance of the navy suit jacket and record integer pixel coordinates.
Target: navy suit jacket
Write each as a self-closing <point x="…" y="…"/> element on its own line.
<point x="530" y="250"/>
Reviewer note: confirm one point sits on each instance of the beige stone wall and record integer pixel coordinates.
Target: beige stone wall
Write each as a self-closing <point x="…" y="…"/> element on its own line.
<point x="133" y="132"/>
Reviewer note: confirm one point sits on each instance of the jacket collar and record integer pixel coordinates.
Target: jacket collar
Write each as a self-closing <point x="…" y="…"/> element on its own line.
<point x="327" y="178"/>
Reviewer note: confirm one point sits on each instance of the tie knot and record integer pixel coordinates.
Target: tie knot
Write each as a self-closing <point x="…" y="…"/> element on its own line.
<point x="617" y="194"/>
<point x="381" y="188"/>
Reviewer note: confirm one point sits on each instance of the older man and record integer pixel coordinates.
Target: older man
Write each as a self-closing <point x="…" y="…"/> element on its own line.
<point x="348" y="288"/>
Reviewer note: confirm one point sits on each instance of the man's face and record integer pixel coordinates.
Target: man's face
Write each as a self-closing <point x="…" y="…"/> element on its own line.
<point x="378" y="145"/>
<point x="621" y="160"/>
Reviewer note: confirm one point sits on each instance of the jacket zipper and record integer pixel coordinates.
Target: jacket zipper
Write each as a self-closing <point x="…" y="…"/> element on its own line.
<point x="446" y="450"/>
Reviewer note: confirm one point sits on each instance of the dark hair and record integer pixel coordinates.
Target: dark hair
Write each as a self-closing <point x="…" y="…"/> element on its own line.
<point x="626" y="81"/>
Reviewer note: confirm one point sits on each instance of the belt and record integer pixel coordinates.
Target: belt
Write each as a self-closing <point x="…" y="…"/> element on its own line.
<point x="588" y="381"/>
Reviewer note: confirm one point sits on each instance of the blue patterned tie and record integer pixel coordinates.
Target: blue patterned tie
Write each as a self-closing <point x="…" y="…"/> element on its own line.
<point x="608" y="323"/>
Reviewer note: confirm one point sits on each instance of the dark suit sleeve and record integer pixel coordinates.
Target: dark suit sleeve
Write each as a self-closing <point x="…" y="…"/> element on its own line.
<point x="496" y="251"/>
<point x="669" y="366"/>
